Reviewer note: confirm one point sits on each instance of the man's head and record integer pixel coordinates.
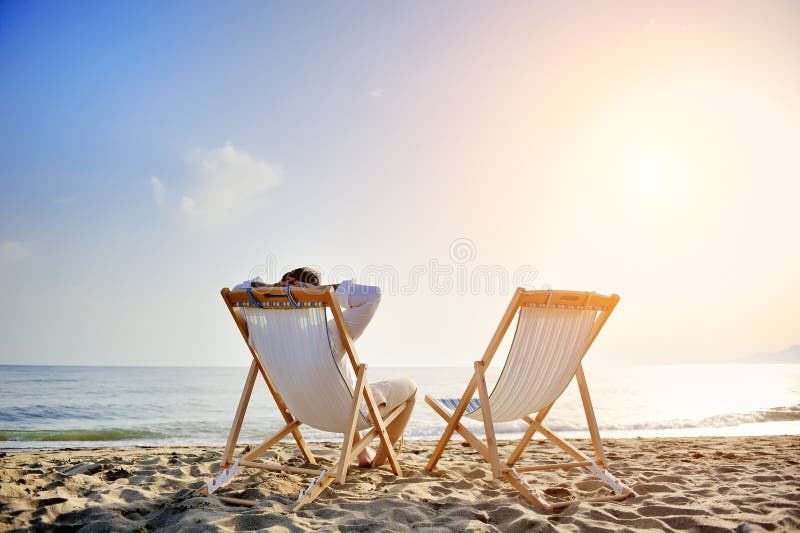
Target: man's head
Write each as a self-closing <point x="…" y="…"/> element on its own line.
<point x="303" y="274"/>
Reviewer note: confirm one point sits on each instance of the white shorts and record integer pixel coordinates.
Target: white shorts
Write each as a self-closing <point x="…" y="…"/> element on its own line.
<point x="392" y="392"/>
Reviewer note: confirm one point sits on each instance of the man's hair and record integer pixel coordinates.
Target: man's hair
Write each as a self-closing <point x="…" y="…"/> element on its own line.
<point x="304" y="274"/>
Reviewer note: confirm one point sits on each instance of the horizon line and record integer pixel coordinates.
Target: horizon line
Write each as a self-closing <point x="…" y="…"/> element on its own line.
<point x="615" y="363"/>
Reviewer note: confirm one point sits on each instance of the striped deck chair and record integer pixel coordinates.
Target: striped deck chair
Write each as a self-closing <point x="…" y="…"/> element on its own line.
<point x="554" y="331"/>
<point x="286" y="330"/>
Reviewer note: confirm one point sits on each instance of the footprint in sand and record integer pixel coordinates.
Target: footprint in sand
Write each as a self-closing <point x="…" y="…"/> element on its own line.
<point x="45" y="502"/>
<point x="115" y="474"/>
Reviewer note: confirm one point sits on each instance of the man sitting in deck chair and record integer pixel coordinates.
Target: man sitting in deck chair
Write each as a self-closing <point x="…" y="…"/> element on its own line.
<point x="360" y="303"/>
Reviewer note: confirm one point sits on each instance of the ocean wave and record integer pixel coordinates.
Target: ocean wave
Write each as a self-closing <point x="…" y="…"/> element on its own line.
<point x="775" y="414"/>
<point x="45" y="412"/>
<point x="73" y="409"/>
<point x="105" y="434"/>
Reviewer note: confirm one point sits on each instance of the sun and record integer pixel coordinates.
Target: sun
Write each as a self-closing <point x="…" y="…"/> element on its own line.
<point x="655" y="177"/>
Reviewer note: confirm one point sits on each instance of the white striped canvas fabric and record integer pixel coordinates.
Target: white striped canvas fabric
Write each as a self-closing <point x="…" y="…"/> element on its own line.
<point x="450" y="404"/>
<point x="544" y="355"/>
<point x="294" y="347"/>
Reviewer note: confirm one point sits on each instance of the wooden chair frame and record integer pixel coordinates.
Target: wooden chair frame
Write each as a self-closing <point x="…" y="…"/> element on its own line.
<point x="489" y="450"/>
<point x="338" y="471"/>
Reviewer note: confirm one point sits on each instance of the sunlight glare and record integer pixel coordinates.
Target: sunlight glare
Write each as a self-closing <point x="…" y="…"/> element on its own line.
<point x="655" y="178"/>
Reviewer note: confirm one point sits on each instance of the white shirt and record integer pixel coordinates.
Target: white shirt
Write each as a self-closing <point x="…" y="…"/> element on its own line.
<point x="359" y="303"/>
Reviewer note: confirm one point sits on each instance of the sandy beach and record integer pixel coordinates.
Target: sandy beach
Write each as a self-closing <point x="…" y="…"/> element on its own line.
<point x="698" y="484"/>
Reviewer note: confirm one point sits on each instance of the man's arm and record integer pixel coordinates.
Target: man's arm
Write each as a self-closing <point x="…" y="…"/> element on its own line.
<point x="258" y="283"/>
<point x="254" y="283"/>
<point x="360" y="303"/>
<point x="297" y="283"/>
<point x="262" y="285"/>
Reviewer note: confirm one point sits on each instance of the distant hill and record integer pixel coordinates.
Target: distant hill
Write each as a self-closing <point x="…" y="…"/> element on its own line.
<point x="789" y="355"/>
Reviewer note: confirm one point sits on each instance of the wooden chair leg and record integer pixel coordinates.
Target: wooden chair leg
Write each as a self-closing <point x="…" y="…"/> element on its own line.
<point x="588" y="409"/>
<point x="488" y="423"/>
<point x="305" y="451"/>
<point x="379" y="424"/>
<point x="451" y="424"/>
<point x="558" y="441"/>
<point x="322" y="482"/>
<point x="600" y="471"/>
<point x="236" y="426"/>
<point x="530" y="494"/>
<point x="372" y="433"/>
<point x="311" y="495"/>
<point x="526" y="438"/>
<point x="463" y="431"/>
<point x="228" y="473"/>
<point x="347" y="445"/>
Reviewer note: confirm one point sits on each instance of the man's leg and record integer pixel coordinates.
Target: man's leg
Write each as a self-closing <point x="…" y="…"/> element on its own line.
<point x="366" y="455"/>
<point x="396" y="392"/>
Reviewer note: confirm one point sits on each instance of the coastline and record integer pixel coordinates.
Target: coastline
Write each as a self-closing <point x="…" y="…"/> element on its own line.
<point x="708" y="483"/>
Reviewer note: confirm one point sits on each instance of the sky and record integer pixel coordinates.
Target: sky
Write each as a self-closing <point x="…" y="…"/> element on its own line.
<point x="152" y="153"/>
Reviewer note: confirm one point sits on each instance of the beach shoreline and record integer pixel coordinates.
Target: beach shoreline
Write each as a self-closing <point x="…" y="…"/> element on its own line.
<point x="693" y="483"/>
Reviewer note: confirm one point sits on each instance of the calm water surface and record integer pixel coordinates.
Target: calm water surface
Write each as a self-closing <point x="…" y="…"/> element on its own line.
<point x="48" y="406"/>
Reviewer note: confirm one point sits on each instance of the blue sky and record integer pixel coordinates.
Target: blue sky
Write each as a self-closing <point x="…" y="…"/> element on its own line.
<point x="152" y="153"/>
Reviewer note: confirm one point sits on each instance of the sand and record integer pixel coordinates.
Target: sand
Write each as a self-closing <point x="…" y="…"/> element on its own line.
<point x="697" y="484"/>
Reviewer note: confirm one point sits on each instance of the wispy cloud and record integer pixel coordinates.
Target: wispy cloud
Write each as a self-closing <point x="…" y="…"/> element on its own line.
<point x="14" y="252"/>
<point x="187" y="205"/>
<point x="376" y="92"/>
<point x="158" y="190"/>
<point x="227" y="184"/>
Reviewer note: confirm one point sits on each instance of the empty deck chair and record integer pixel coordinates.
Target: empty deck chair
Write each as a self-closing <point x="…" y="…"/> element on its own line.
<point x="286" y="330"/>
<point x="554" y="331"/>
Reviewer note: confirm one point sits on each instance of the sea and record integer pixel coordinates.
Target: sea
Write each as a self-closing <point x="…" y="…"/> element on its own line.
<point x="45" y="407"/>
